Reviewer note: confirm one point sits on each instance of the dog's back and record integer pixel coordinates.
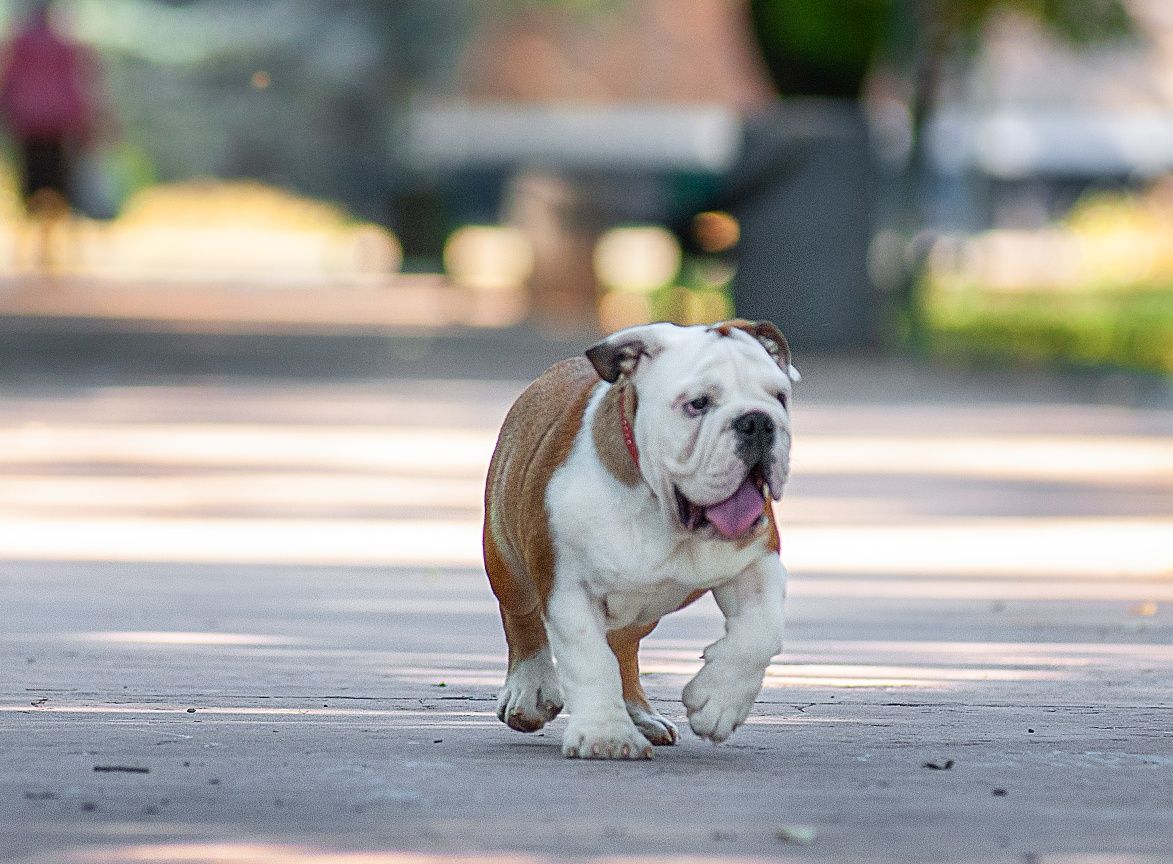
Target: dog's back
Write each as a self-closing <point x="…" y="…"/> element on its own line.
<point x="535" y="440"/>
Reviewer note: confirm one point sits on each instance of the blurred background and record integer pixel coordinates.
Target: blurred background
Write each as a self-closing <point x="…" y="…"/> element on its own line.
<point x="272" y="272"/>
<point x="973" y="180"/>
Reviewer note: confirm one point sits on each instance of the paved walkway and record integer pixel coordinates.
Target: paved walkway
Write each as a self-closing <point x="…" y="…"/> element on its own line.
<point x="243" y="620"/>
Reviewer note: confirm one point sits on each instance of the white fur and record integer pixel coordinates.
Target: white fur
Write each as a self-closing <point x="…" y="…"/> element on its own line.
<point x="698" y="454"/>
<point x="599" y="723"/>
<point x="655" y="728"/>
<point x="721" y="695"/>
<point x="631" y="562"/>
<point x="531" y="695"/>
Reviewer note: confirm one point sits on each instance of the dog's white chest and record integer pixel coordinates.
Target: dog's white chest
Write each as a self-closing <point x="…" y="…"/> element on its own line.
<point x="625" y="608"/>
<point x="615" y="542"/>
<point x="647" y="587"/>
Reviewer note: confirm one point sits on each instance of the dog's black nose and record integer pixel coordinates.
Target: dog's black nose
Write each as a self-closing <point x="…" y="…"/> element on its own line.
<point x="755" y="429"/>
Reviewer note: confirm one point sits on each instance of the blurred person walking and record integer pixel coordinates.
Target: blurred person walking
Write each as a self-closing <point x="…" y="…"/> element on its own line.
<point x="46" y="102"/>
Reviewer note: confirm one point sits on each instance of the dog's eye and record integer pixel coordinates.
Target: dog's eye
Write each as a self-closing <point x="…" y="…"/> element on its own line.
<point x="785" y="401"/>
<point x="697" y="406"/>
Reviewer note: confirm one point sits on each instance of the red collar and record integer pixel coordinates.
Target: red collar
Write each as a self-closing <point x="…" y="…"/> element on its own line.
<point x="625" y="424"/>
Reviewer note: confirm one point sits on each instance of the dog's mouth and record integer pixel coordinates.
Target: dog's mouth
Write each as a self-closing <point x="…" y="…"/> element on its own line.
<point x="738" y="516"/>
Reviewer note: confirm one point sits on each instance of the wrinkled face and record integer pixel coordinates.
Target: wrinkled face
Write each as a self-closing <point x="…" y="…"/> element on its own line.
<point x="713" y="428"/>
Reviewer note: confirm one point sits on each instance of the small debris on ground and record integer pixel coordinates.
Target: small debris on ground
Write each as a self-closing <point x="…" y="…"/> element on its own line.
<point x="940" y="766"/>
<point x="121" y="769"/>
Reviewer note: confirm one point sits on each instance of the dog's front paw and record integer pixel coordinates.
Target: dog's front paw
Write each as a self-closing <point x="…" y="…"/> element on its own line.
<point x="604" y="738"/>
<point x="531" y="696"/>
<point x="655" y="727"/>
<point x="718" y="700"/>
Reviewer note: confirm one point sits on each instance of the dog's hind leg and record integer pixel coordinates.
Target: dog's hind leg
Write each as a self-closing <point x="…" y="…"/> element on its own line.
<point x="625" y="644"/>
<point x="531" y="696"/>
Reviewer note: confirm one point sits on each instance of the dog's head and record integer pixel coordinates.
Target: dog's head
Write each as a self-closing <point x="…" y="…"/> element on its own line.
<point x="713" y="421"/>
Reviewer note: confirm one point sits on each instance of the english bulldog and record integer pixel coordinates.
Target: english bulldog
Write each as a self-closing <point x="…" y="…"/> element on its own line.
<point x="624" y="486"/>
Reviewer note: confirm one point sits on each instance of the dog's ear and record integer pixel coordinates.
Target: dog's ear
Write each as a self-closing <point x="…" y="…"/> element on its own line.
<point x="770" y="338"/>
<point x="620" y="353"/>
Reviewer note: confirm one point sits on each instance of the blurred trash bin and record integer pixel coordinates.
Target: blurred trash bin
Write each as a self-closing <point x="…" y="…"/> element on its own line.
<point x="803" y="193"/>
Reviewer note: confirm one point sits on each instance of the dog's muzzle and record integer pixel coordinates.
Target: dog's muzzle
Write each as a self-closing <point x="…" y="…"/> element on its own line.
<point x="742" y="513"/>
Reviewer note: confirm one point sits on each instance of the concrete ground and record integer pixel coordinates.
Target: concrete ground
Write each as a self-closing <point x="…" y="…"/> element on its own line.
<point x="242" y="619"/>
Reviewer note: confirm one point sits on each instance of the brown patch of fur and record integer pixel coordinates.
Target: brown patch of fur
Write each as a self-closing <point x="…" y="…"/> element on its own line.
<point x="525" y="635"/>
<point x="607" y="431"/>
<point x="774" y="539"/>
<point x="625" y="645"/>
<point x="536" y="438"/>
<point x="765" y="332"/>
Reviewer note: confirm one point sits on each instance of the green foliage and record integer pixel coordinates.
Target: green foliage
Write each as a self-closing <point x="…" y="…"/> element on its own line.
<point x="1082" y="22"/>
<point x="1128" y="330"/>
<point x="820" y="47"/>
<point x="826" y="47"/>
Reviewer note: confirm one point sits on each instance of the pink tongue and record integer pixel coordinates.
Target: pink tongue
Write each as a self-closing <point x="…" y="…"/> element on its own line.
<point x="735" y="515"/>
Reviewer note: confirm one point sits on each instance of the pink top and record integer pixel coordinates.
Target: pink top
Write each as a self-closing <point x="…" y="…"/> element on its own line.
<point x="43" y="86"/>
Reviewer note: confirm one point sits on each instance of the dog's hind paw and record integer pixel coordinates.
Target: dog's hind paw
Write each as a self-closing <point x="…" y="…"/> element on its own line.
<point x="656" y="728"/>
<point x="531" y="696"/>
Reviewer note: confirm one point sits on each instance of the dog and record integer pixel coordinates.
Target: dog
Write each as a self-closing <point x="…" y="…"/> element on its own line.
<point x="625" y="485"/>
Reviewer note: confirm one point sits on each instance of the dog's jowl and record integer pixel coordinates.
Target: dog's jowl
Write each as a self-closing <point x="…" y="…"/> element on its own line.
<point x="625" y="485"/>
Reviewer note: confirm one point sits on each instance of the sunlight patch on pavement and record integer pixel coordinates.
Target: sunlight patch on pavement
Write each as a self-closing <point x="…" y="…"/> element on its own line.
<point x="1037" y="547"/>
<point x="426" y="604"/>
<point x="288" y="541"/>
<point x="251" y="491"/>
<point x="1043" y="654"/>
<point x="282" y="853"/>
<point x="1135" y="460"/>
<point x="262" y="853"/>
<point x="435" y="718"/>
<point x="1066" y="549"/>
<point x="277" y="853"/>
<point x="806" y="672"/>
<point x="855" y="675"/>
<point x="153" y="637"/>
<point x="957" y="661"/>
<point x="981" y="589"/>
<point x="431" y="451"/>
